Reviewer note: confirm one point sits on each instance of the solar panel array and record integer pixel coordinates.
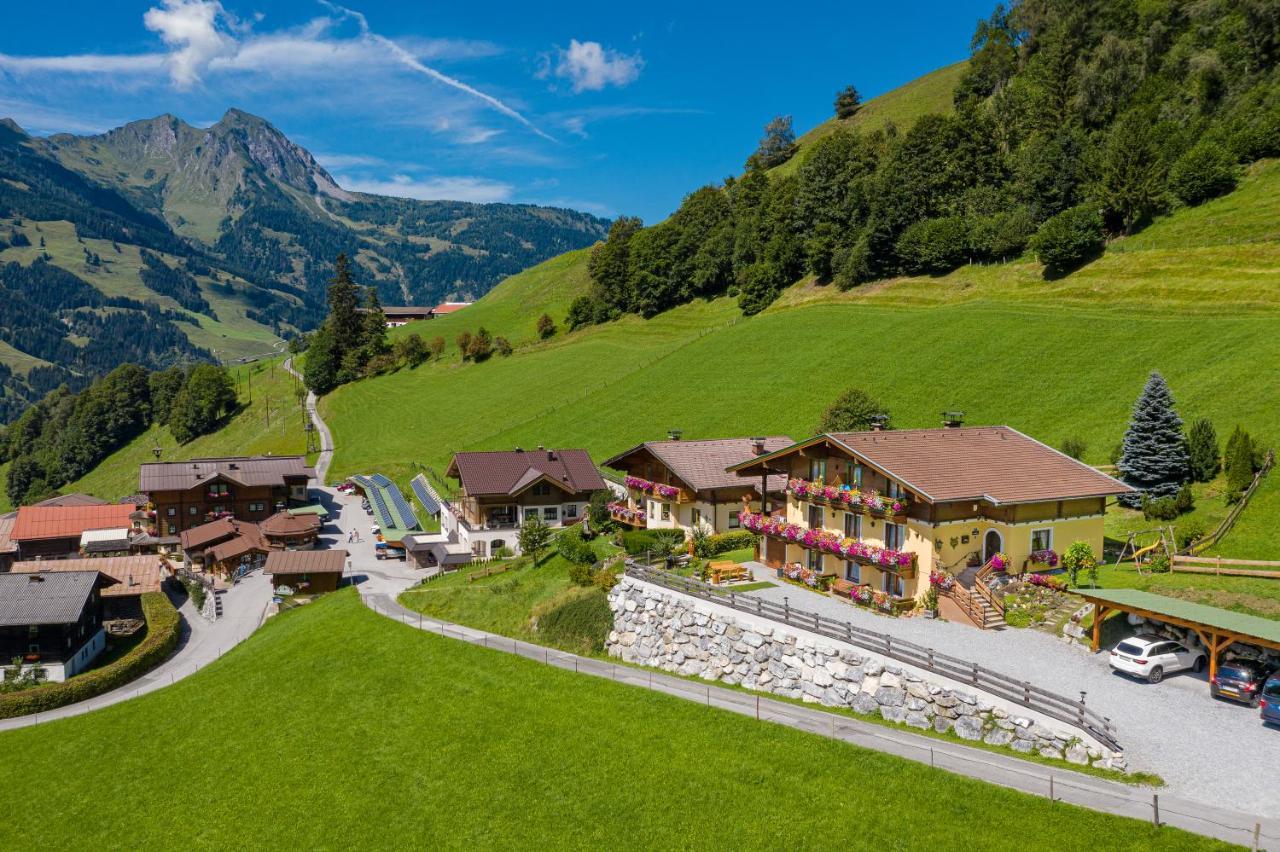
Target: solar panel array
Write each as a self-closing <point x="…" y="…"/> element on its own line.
<point x="425" y="497"/>
<point x="389" y="506"/>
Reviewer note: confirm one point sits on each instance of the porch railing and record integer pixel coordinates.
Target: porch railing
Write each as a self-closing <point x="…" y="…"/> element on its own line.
<point x="1024" y="693"/>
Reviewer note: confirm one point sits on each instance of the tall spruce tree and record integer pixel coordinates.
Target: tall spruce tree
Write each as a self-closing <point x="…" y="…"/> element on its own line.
<point x="375" y="326"/>
<point x="1239" y="461"/>
<point x="1155" y="460"/>
<point x="1202" y="443"/>
<point x="344" y="320"/>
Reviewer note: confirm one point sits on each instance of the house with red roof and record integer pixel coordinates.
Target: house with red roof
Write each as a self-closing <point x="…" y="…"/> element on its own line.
<point x="54" y="531"/>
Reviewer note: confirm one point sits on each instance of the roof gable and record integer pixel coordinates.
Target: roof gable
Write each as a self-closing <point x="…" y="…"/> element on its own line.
<point x="702" y="465"/>
<point x="46" y="597"/>
<point x="506" y="473"/>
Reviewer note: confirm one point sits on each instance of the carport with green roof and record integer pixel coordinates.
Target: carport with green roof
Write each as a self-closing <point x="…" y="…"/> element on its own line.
<point x="1217" y="628"/>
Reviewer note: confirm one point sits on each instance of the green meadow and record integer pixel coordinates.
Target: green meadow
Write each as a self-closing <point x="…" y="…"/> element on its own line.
<point x="458" y="746"/>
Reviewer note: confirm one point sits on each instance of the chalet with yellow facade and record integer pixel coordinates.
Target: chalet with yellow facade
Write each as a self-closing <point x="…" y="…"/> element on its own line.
<point x="882" y="509"/>
<point x="684" y="485"/>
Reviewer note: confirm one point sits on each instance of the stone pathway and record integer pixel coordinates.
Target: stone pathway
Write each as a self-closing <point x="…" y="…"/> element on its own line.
<point x="1204" y="748"/>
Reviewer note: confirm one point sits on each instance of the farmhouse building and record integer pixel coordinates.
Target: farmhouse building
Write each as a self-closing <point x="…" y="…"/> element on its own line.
<point x="225" y="546"/>
<point x="684" y="485"/>
<point x="499" y="491"/>
<point x="186" y="494"/>
<point x="134" y="576"/>
<point x="55" y="531"/>
<point x="884" y="508"/>
<point x="52" y="619"/>
<point x="311" y="571"/>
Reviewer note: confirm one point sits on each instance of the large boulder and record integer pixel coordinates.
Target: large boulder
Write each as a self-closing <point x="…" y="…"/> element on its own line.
<point x="888" y="696"/>
<point x="969" y="728"/>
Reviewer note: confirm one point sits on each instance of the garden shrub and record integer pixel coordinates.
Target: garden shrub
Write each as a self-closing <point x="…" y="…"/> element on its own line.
<point x="160" y="641"/>
<point x="1079" y="557"/>
<point x="570" y="545"/>
<point x="724" y="542"/>
<point x="1160" y="508"/>
<point x="578" y="619"/>
<point x="1190" y="531"/>
<point x="1069" y="239"/>
<point x="636" y="542"/>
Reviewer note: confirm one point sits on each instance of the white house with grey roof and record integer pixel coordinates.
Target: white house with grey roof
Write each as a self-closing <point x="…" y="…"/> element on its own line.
<point x="52" y="620"/>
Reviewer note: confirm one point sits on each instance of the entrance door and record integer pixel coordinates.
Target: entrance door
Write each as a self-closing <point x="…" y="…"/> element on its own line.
<point x="991" y="545"/>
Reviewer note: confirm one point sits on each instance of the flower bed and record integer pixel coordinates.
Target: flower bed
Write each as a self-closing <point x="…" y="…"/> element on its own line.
<point x="941" y="580"/>
<point x="849" y="498"/>
<point x="623" y="512"/>
<point x="828" y="542"/>
<point x="873" y="598"/>
<point x="797" y="573"/>
<point x="1047" y="582"/>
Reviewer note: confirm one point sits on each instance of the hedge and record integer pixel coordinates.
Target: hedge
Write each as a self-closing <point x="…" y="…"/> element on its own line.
<point x="724" y="542"/>
<point x="155" y="648"/>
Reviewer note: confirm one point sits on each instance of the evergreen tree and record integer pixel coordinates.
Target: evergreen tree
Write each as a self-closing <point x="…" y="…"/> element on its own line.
<point x="847" y="102"/>
<point x="204" y="400"/>
<point x="1155" y="460"/>
<point x="375" y="326"/>
<point x="1202" y="445"/>
<point x="345" y="322"/>
<point x="1239" y="461"/>
<point x="546" y="326"/>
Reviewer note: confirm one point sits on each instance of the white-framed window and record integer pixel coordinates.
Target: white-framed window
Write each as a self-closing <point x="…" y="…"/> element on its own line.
<point x="817" y="469"/>
<point x="815" y="561"/>
<point x="895" y="535"/>
<point x="1042" y="539"/>
<point x="666" y="511"/>
<point x="541" y="489"/>
<point x="551" y="513"/>
<point x="853" y="572"/>
<point x="815" y="517"/>
<point x="171" y="511"/>
<point x="570" y="510"/>
<point x="894" y="584"/>
<point x="735" y="521"/>
<point x="173" y="529"/>
<point x="857" y="475"/>
<point x="191" y="510"/>
<point x="853" y="526"/>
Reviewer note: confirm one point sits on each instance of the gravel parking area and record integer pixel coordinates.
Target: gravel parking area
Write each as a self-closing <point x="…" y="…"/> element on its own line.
<point x="1207" y="750"/>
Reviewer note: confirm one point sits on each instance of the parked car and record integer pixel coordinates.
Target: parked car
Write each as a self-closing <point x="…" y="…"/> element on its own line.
<point x="1240" y="680"/>
<point x="1153" y="657"/>
<point x="1269" y="703"/>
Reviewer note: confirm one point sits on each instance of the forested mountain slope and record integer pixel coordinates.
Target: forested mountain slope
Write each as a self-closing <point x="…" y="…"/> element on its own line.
<point x="160" y="243"/>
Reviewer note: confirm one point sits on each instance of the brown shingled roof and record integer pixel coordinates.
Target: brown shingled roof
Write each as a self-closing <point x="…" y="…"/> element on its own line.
<point x="285" y="524"/>
<point x="242" y="470"/>
<point x="701" y="464"/>
<point x="42" y="522"/>
<point x="992" y="462"/>
<point x="7" y="544"/>
<point x="198" y="538"/>
<point x="507" y="473"/>
<point x="135" y="574"/>
<point x="248" y="540"/>
<point x="75" y="499"/>
<point x="306" y="562"/>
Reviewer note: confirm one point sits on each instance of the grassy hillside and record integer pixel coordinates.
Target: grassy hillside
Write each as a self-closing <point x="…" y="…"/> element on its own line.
<point x="475" y="748"/>
<point x="1054" y="358"/>
<point x="271" y="423"/>
<point x="927" y="95"/>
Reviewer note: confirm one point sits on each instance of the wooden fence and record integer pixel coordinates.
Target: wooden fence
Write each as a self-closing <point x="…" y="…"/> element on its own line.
<point x="1070" y="711"/>
<point x="1202" y="544"/>
<point x="1225" y="567"/>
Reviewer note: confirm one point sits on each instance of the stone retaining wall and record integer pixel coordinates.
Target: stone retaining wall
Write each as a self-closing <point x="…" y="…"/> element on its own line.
<point x="677" y="633"/>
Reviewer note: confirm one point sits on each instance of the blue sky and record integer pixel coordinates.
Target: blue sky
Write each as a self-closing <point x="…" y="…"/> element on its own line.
<point x="610" y="108"/>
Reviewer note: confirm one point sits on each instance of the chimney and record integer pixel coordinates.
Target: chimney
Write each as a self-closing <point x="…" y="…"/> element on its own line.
<point x="952" y="419"/>
<point x="757" y="446"/>
<point x="551" y="455"/>
<point x="674" y="434"/>
<point x="878" y="422"/>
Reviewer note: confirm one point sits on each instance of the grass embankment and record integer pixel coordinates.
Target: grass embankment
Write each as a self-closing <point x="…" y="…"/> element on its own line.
<point x="1252" y="595"/>
<point x="474" y="747"/>
<point x="271" y="420"/>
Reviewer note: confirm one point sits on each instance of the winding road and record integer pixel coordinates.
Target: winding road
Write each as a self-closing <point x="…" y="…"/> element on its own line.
<point x="326" y="437"/>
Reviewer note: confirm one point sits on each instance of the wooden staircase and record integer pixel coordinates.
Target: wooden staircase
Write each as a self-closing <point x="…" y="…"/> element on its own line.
<point x="975" y="600"/>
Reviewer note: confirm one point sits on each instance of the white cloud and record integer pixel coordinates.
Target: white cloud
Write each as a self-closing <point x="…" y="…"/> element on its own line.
<point x="590" y="66"/>
<point x="196" y="33"/>
<point x="334" y="162"/>
<point x="204" y="39"/>
<point x="444" y="188"/>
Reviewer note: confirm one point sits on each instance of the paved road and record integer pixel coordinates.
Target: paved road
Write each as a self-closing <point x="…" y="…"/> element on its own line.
<point x="1012" y="772"/>
<point x="322" y="429"/>
<point x="244" y="607"/>
<point x="1204" y="749"/>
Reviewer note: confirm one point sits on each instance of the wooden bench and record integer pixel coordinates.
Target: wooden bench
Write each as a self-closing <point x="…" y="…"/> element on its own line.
<point x="723" y="571"/>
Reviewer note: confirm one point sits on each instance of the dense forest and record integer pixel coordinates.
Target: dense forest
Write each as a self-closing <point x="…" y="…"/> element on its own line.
<point x="1074" y="122"/>
<point x="65" y="435"/>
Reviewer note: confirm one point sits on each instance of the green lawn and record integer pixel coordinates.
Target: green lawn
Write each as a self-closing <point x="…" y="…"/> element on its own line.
<point x="405" y="738"/>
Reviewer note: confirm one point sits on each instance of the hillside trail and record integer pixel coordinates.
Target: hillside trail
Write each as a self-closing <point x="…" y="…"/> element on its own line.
<point x="325" y="458"/>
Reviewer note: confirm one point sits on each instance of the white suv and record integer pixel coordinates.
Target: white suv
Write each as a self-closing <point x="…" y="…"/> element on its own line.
<point x="1153" y="657"/>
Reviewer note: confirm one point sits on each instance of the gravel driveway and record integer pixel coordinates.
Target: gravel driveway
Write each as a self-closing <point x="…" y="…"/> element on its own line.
<point x="1205" y="749"/>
